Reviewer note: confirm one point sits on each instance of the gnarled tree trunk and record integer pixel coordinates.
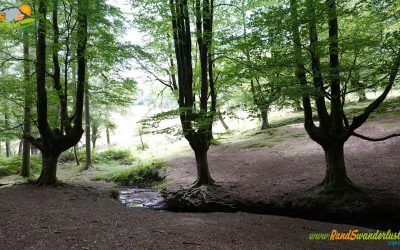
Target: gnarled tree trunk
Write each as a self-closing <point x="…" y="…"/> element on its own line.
<point x="53" y="142"/>
<point x="48" y="175"/>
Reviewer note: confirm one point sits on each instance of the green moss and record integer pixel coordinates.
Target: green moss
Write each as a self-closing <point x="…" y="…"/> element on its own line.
<point x="123" y="156"/>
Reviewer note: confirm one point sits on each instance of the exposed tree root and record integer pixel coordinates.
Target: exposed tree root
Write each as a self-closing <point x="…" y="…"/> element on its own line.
<point x="198" y="199"/>
<point x="199" y="183"/>
<point x="49" y="182"/>
<point x="338" y="187"/>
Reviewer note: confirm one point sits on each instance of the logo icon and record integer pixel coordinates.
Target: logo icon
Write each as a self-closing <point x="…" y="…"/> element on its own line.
<point x="16" y="18"/>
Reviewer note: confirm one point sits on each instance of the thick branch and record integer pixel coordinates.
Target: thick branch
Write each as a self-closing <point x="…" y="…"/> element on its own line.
<point x="360" y="119"/>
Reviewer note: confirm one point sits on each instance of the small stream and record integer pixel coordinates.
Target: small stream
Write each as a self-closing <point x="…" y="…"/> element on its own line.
<point x="144" y="198"/>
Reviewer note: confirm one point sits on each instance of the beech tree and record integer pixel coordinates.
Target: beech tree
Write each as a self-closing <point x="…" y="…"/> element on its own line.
<point x="27" y="129"/>
<point x="196" y="120"/>
<point x="334" y="127"/>
<point x="53" y="141"/>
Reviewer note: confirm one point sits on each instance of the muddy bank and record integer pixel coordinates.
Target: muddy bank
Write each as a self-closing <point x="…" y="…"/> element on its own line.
<point x="371" y="208"/>
<point x="81" y="217"/>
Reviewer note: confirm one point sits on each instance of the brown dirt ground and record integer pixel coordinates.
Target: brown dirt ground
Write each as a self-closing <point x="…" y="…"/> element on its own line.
<point x="84" y="216"/>
<point x="79" y="217"/>
<point x="267" y="173"/>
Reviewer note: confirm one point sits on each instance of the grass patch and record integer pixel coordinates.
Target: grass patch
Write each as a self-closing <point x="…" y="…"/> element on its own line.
<point x="119" y="156"/>
<point x="123" y="156"/>
<point x="144" y="174"/>
<point x="389" y="106"/>
<point x="215" y="142"/>
<point x="12" y="165"/>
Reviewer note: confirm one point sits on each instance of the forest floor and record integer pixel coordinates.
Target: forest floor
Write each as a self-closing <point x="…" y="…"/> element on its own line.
<point x="266" y="171"/>
<point x="274" y="173"/>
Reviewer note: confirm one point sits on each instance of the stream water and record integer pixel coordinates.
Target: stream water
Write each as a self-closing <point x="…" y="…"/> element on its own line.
<point x="145" y="198"/>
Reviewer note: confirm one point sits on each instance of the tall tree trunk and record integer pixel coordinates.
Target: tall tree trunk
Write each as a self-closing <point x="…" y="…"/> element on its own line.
<point x="88" y="151"/>
<point x="6" y="123"/>
<point x="108" y="136"/>
<point x="20" y="147"/>
<point x="26" y="146"/>
<point x="221" y="119"/>
<point x="203" y="172"/>
<point x="76" y="156"/>
<point x="264" y="119"/>
<point x="95" y="133"/>
<point x="8" y="148"/>
<point x="48" y="175"/>
<point x="190" y="116"/>
<point x="53" y="142"/>
<point x="336" y="176"/>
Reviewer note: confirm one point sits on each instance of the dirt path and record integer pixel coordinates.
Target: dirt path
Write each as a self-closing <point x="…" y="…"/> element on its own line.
<point x="86" y="218"/>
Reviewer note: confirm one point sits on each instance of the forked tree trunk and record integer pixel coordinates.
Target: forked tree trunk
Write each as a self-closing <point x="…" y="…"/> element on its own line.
<point x="203" y="172"/>
<point x="48" y="176"/>
<point x="336" y="175"/>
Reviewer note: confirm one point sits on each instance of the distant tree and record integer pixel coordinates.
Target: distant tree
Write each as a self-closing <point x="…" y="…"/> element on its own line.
<point x="28" y="103"/>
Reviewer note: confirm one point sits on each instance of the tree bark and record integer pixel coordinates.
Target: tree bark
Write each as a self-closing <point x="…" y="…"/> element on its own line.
<point x="336" y="175"/>
<point x="53" y="142"/>
<point x="20" y="147"/>
<point x="198" y="138"/>
<point x="48" y="176"/>
<point x="108" y="136"/>
<point x="76" y="156"/>
<point x="88" y="150"/>
<point x="6" y="123"/>
<point x="26" y="145"/>
<point x="203" y="172"/>
<point x="8" y="148"/>
<point x="264" y="119"/>
<point x="221" y="119"/>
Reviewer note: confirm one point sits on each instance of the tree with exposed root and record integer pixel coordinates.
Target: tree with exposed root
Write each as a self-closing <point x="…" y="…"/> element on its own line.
<point x="196" y="120"/>
<point x="334" y="127"/>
